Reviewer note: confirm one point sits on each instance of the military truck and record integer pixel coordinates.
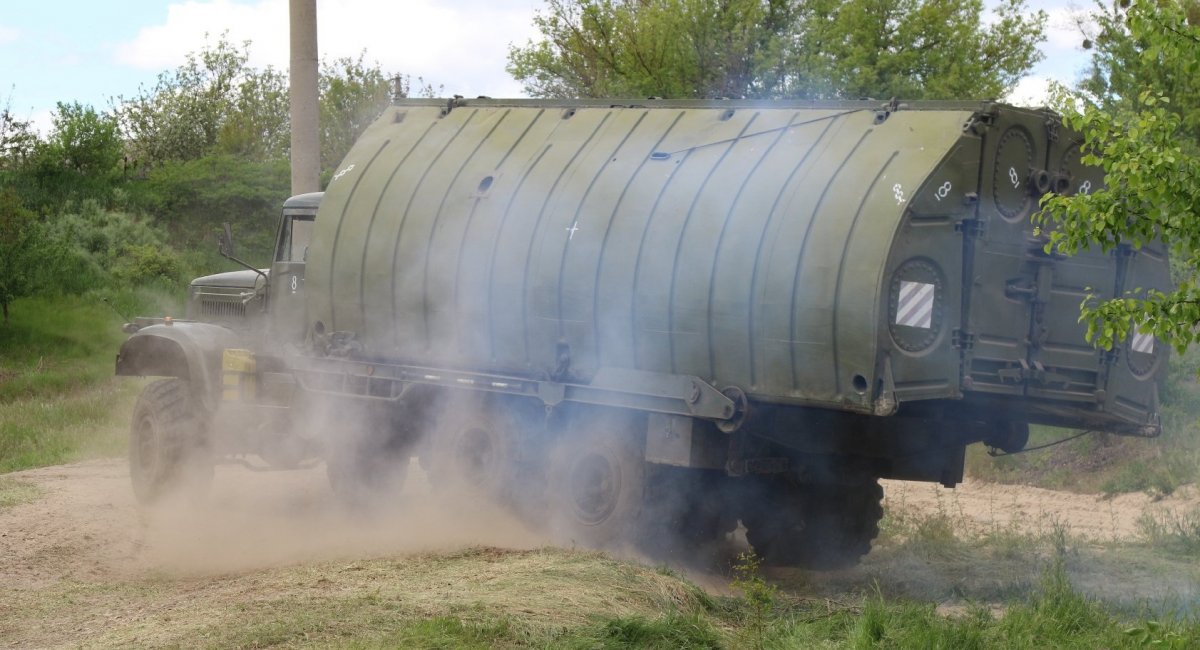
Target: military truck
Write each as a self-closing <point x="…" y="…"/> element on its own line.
<point x="625" y="318"/>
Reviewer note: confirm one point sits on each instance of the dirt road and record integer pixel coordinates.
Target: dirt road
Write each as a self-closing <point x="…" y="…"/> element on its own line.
<point x="85" y="522"/>
<point x="84" y="529"/>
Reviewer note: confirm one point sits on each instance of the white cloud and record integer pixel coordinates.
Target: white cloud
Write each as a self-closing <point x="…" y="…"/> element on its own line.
<point x="1030" y="91"/>
<point x="190" y="25"/>
<point x="9" y="34"/>
<point x="461" y="45"/>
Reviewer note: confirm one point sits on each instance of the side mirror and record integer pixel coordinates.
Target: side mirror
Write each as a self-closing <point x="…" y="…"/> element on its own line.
<point x="225" y="241"/>
<point x="225" y="247"/>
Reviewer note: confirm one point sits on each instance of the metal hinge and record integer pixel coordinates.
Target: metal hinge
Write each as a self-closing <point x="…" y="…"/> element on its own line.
<point x="962" y="339"/>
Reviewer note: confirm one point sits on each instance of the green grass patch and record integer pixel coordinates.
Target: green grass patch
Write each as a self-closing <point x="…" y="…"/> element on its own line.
<point x="59" y="400"/>
<point x="90" y="422"/>
<point x="14" y="492"/>
<point x="55" y="345"/>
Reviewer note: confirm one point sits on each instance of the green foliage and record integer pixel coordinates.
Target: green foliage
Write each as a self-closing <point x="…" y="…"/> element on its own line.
<point x="59" y="400"/>
<point x="22" y="248"/>
<point x="760" y="598"/>
<point x="214" y="102"/>
<point x="1155" y="635"/>
<point x="352" y="96"/>
<point x="769" y="48"/>
<point x="672" y="631"/>
<point x="1146" y="145"/>
<point x="192" y="198"/>
<point x="1128" y="56"/>
<point x="17" y="138"/>
<point x="106" y="245"/>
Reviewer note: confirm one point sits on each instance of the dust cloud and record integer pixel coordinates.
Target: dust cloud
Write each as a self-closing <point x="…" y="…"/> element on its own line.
<point x="255" y="520"/>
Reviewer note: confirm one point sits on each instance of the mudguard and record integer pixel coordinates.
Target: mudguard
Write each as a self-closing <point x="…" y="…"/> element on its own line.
<point x="188" y="350"/>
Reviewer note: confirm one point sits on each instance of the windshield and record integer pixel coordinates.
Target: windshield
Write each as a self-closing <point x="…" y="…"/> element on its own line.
<point x="293" y="242"/>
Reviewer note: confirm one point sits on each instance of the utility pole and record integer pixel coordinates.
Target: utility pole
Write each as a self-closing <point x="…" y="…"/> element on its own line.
<point x="302" y="93"/>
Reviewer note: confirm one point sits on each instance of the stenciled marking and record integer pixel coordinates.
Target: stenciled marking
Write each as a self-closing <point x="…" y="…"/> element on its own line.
<point x="342" y="172"/>
<point x="943" y="191"/>
<point x="572" y="229"/>
<point x="1143" y="343"/>
<point x="1085" y="187"/>
<point x="898" y="192"/>
<point x="1014" y="177"/>
<point x="914" y="307"/>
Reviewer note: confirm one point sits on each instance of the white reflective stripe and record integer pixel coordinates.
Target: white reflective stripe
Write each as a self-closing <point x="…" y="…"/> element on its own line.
<point x="914" y="308"/>
<point x="1143" y="343"/>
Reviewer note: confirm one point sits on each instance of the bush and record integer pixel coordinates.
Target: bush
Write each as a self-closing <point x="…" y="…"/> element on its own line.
<point x="98" y="246"/>
<point x="191" y="200"/>
<point x="140" y="263"/>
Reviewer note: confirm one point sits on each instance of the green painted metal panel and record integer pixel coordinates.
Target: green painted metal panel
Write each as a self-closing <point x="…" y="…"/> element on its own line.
<point x="807" y="253"/>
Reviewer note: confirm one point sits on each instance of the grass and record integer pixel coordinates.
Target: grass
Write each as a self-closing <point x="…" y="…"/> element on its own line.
<point x="14" y="492"/>
<point x="1172" y="532"/>
<point x="555" y="599"/>
<point x="59" y="400"/>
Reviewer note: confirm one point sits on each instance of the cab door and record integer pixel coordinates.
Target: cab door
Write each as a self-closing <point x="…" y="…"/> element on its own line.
<point x="287" y="275"/>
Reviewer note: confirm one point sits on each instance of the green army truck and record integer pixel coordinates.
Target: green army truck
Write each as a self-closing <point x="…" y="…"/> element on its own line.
<point x="628" y="316"/>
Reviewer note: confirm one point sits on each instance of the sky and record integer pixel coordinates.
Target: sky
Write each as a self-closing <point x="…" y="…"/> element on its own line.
<point x="96" y="52"/>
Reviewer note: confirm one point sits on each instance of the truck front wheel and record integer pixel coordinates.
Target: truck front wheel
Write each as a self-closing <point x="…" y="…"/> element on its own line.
<point x="168" y="448"/>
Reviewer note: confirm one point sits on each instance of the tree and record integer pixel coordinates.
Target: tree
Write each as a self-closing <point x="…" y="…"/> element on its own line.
<point x="17" y="138"/>
<point x="1125" y="63"/>
<point x="778" y="48"/>
<point x="1146" y="143"/>
<point x="213" y="103"/>
<point x="21" y="255"/>
<point x="353" y="94"/>
<point x="80" y="159"/>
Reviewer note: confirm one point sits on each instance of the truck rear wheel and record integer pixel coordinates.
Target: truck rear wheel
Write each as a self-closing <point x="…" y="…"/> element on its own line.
<point x="474" y="450"/>
<point x="817" y="526"/>
<point x="168" y="448"/>
<point x="597" y="483"/>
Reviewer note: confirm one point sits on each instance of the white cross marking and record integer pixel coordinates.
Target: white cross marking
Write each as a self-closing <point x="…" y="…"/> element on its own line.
<point x="572" y="229"/>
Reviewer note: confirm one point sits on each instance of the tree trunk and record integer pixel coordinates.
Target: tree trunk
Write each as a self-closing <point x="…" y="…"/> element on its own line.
<point x="5" y="306"/>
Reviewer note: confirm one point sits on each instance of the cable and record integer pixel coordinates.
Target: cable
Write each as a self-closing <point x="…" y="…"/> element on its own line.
<point x="995" y="453"/>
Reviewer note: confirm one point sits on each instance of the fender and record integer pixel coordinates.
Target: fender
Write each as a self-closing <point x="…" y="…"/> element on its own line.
<point x="188" y="350"/>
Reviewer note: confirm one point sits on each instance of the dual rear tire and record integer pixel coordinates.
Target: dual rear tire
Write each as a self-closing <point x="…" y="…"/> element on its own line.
<point x="815" y="526"/>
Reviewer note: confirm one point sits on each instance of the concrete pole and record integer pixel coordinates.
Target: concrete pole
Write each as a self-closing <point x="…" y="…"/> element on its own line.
<point x="306" y="139"/>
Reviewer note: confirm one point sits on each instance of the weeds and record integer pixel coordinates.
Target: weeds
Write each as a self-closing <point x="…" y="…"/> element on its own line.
<point x="1172" y="531"/>
<point x="759" y="597"/>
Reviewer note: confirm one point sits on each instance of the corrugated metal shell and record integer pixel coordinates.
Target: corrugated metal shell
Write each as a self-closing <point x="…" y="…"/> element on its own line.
<point x="745" y="245"/>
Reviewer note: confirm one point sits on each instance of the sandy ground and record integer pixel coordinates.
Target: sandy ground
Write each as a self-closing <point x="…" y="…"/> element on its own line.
<point x="1020" y="508"/>
<point x="84" y="529"/>
<point x="86" y="525"/>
